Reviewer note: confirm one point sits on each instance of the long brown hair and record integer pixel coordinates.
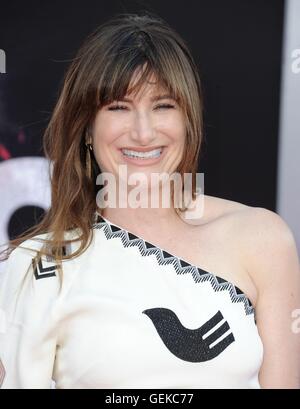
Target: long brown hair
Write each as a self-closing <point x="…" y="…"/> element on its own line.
<point x="99" y="74"/>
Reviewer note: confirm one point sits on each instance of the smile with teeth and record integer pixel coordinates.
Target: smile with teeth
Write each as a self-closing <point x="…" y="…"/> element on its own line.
<point x="155" y="153"/>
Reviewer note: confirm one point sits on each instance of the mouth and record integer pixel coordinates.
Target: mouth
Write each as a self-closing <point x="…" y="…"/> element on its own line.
<point x="143" y="156"/>
<point x="143" y="153"/>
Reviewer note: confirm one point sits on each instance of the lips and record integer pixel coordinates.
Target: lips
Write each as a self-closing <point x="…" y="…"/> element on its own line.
<point x="143" y="155"/>
<point x="153" y="153"/>
<point x="141" y="148"/>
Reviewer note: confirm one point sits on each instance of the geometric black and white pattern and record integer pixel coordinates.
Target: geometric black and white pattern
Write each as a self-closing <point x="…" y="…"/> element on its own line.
<point x="41" y="270"/>
<point x="181" y="267"/>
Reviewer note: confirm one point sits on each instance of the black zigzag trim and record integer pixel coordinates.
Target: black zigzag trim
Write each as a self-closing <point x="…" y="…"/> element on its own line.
<point x="181" y="267"/>
<point x="42" y="272"/>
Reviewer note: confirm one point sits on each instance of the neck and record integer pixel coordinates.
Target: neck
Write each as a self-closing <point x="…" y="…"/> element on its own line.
<point x="137" y="219"/>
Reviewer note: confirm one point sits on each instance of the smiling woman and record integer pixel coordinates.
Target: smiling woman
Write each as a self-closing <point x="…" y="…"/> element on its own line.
<point x="132" y="296"/>
<point x="145" y="131"/>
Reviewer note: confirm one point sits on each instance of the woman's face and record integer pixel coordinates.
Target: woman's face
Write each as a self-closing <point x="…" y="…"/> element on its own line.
<point x="145" y="132"/>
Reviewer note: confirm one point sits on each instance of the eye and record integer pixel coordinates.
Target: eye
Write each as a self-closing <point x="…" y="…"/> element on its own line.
<point x="117" y="107"/>
<point x="123" y="107"/>
<point x="164" y="106"/>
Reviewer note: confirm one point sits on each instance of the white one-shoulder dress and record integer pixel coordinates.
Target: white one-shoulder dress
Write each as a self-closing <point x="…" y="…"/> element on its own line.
<point x="127" y="314"/>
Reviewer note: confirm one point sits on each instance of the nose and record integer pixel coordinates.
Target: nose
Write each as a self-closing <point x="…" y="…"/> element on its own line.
<point x="143" y="130"/>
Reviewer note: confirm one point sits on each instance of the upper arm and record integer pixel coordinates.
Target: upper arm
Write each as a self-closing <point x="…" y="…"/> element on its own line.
<point x="27" y="339"/>
<point x="273" y="264"/>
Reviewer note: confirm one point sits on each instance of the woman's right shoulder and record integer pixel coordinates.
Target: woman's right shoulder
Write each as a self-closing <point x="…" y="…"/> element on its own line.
<point x="22" y="258"/>
<point x="34" y="257"/>
<point x="31" y="246"/>
<point x="29" y="255"/>
<point x="21" y="278"/>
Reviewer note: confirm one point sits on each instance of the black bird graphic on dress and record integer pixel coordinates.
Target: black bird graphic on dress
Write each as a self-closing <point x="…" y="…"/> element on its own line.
<point x="190" y="344"/>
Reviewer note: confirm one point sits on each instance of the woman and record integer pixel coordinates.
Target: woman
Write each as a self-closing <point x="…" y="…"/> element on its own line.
<point x="144" y="297"/>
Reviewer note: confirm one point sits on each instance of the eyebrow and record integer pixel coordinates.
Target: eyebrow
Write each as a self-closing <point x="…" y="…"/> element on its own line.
<point x="153" y="99"/>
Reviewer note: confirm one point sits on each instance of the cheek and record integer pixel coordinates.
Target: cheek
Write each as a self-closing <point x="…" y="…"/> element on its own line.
<point x="177" y="130"/>
<point x="104" y="132"/>
<point x="173" y="119"/>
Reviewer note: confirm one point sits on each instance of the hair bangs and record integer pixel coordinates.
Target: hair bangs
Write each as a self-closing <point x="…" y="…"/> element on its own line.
<point x="130" y="67"/>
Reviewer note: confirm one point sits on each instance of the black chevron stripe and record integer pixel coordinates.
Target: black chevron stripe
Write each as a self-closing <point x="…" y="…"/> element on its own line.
<point x="42" y="272"/>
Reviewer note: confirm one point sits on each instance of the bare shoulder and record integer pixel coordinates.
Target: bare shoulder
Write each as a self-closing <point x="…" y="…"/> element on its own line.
<point x="267" y="243"/>
<point x="262" y="238"/>
<point x="265" y="222"/>
<point x="218" y="207"/>
<point x="257" y="225"/>
<point x="259" y="234"/>
<point x="213" y="208"/>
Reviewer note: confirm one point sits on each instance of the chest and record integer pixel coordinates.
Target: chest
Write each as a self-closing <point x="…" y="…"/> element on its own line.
<point x="212" y="248"/>
<point x="142" y="319"/>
